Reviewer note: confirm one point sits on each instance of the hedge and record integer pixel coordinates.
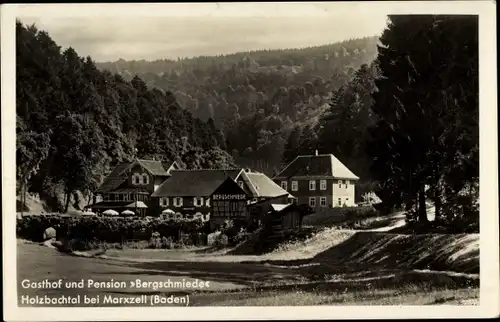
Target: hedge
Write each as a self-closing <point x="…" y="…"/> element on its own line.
<point x="105" y="229"/>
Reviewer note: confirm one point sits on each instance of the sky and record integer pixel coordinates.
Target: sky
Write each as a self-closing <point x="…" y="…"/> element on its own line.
<point x="110" y="32"/>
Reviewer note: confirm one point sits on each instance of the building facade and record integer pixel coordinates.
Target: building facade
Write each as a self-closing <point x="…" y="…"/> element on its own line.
<point x="188" y="193"/>
<point x="229" y="202"/>
<point x="130" y="185"/>
<point x="320" y="181"/>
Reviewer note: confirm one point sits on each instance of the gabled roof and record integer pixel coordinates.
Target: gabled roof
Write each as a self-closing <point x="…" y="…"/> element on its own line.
<point x="323" y="165"/>
<point x="114" y="179"/>
<point x="155" y="168"/>
<point x="118" y="177"/>
<point x="194" y="183"/>
<point x="261" y="185"/>
<point x="229" y="186"/>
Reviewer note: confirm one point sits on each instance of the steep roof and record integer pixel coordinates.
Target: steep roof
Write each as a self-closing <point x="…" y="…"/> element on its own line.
<point x="117" y="177"/>
<point x="156" y="168"/>
<point x="323" y="165"/>
<point x="114" y="179"/>
<point x="261" y="185"/>
<point x="194" y="183"/>
<point x="229" y="186"/>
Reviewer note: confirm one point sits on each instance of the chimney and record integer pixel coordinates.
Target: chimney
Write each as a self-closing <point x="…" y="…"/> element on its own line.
<point x="316" y="153"/>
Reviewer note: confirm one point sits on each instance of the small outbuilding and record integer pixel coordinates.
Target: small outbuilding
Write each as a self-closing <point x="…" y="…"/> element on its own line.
<point x="285" y="218"/>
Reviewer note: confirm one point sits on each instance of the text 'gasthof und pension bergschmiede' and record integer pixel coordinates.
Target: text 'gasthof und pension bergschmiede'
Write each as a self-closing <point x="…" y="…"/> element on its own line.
<point x="114" y="284"/>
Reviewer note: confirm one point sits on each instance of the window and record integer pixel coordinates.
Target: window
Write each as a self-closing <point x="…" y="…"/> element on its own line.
<point x="322" y="185"/>
<point x="145" y="178"/>
<point x="295" y="186"/>
<point x="207" y="202"/>
<point x="340" y="183"/>
<point x="118" y="197"/>
<point x="131" y="196"/>
<point x="164" y="201"/>
<point x="178" y="201"/>
<point x="284" y="185"/>
<point x="136" y="179"/>
<point x="312" y="185"/>
<point x="340" y="201"/>
<point x="125" y="197"/>
<point x="322" y="201"/>
<point x="312" y="202"/>
<point x="234" y="206"/>
<point x="346" y="183"/>
<point x="198" y="201"/>
<point x="240" y="183"/>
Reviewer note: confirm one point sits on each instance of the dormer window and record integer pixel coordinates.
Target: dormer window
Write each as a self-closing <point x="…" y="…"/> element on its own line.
<point x="140" y="179"/>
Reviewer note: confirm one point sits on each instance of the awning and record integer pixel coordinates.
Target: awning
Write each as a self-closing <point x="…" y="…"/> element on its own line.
<point x="138" y="204"/>
<point x="279" y="207"/>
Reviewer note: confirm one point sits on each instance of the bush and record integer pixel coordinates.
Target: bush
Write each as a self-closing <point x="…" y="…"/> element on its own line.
<point x="104" y="229"/>
<point x="341" y="217"/>
<point x="241" y="236"/>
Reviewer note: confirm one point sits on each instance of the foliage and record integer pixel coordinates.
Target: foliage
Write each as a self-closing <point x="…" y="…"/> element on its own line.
<point x="75" y="122"/>
<point x="105" y="229"/>
<point x="425" y="143"/>
<point x="343" y="128"/>
<point x="256" y="97"/>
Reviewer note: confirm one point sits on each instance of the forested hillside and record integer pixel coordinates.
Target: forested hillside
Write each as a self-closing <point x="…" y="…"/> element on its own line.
<point x="74" y="122"/>
<point x="257" y="98"/>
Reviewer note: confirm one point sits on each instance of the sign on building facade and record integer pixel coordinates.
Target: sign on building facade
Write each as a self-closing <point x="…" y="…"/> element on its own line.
<point x="229" y="201"/>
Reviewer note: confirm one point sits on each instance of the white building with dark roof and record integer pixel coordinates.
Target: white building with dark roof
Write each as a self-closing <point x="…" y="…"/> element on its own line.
<point x="319" y="180"/>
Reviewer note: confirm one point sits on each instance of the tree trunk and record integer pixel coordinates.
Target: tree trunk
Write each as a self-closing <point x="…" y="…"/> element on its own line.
<point x="437" y="202"/>
<point x="23" y="197"/>
<point x="66" y="205"/>
<point x="422" y="209"/>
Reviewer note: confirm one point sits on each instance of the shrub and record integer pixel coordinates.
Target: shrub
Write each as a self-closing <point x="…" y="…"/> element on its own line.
<point x="104" y="229"/>
<point x="241" y="236"/>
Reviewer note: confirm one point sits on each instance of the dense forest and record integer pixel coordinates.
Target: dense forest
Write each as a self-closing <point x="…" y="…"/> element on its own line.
<point x="401" y="111"/>
<point x="257" y="98"/>
<point x="74" y="122"/>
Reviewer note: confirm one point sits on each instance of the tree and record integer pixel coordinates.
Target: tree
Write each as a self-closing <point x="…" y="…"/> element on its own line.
<point x="77" y="141"/>
<point x="427" y="107"/>
<point x="31" y="149"/>
<point x="292" y="145"/>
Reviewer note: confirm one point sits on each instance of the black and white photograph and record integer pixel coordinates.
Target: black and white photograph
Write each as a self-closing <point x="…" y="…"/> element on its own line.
<point x="241" y="157"/>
